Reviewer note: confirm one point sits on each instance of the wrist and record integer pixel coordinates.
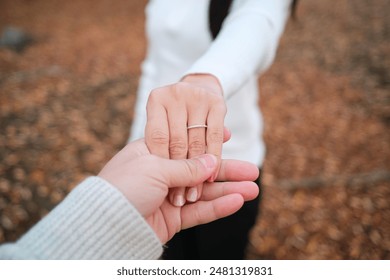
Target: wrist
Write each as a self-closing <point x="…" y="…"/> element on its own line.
<point x="204" y="80"/>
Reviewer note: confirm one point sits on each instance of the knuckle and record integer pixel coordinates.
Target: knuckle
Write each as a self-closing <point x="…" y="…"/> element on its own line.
<point x="177" y="147"/>
<point x="223" y="108"/>
<point x="176" y="90"/>
<point x="158" y="95"/>
<point x="159" y="137"/>
<point x="177" y="87"/>
<point x="197" y="147"/>
<point x="153" y="96"/>
<point x="197" y="217"/>
<point x="215" y="136"/>
<point x="220" y="107"/>
<point x="168" y="94"/>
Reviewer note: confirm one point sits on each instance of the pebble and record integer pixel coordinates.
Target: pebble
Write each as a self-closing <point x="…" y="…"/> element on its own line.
<point x="15" y="38"/>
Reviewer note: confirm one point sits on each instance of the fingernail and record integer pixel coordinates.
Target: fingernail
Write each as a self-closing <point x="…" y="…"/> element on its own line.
<point x="179" y="200"/>
<point x="208" y="161"/>
<point x="192" y="195"/>
<point x="211" y="179"/>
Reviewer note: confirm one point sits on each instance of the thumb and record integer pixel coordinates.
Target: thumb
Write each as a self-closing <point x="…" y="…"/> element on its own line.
<point x="188" y="172"/>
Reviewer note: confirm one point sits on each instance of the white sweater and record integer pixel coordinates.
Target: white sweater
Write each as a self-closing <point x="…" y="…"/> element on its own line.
<point x="95" y="221"/>
<point x="180" y="43"/>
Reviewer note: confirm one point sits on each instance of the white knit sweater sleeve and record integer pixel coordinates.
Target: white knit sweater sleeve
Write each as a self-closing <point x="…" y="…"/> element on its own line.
<point x="246" y="44"/>
<point x="95" y="221"/>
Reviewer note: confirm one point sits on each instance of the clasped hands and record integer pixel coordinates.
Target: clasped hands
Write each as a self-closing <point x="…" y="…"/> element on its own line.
<point x="145" y="180"/>
<point x="149" y="178"/>
<point x="176" y="118"/>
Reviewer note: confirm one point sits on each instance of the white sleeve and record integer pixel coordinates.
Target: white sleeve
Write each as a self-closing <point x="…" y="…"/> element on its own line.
<point x="95" y="221"/>
<point x="246" y="44"/>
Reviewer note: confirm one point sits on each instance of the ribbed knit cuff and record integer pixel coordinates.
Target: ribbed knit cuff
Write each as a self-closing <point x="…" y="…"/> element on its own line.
<point x="95" y="221"/>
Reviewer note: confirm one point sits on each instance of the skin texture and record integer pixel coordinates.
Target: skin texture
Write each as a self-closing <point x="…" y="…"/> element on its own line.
<point x="146" y="179"/>
<point x="196" y="99"/>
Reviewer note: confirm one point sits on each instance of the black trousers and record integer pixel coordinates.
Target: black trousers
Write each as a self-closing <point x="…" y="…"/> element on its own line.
<point x="224" y="239"/>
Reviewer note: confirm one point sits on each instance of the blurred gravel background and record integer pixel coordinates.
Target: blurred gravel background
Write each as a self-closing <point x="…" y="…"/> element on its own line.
<point x="66" y="98"/>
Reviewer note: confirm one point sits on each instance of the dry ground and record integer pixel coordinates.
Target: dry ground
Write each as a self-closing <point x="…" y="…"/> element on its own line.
<point x="66" y="104"/>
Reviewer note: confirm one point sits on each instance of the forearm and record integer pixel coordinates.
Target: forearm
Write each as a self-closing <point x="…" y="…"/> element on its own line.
<point x="95" y="221"/>
<point x="246" y="44"/>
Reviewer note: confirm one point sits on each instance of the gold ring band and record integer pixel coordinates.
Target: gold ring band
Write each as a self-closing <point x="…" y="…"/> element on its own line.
<point x="197" y="126"/>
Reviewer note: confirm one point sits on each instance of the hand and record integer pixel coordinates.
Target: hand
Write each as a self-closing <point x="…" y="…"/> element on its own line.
<point x="145" y="179"/>
<point x="197" y="99"/>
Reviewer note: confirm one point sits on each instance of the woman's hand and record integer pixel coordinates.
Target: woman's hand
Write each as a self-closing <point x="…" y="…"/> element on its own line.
<point x="195" y="100"/>
<point x="145" y="180"/>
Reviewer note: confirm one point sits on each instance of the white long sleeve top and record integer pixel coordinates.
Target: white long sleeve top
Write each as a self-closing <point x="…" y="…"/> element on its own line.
<point x="180" y="43"/>
<point x="95" y="221"/>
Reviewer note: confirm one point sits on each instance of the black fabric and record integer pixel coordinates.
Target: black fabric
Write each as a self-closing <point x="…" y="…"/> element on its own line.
<point x="294" y="7"/>
<point x="224" y="239"/>
<point x="218" y="11"/>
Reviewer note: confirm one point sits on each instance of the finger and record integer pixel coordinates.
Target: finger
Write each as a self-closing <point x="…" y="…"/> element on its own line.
<point x="196" y="145"/>
<point x="215" y="132"/>
<point x="197" y="115"/>
<point x="177" y="196"/>
<point x="178" y="140"/>
<point x="248" y="190"/>
<point x="194" y="193"/>
<point x="187" y="172"/>
<point x="202" y="212"/>
<point x="237" y="170"/>
<point x="196" y="136"/>
<point x="226" y="134"/>
<point x="178" y="146"/>
<point x="157" y="129"/>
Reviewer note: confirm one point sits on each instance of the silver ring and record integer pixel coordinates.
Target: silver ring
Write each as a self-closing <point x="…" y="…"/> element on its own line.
<point x="197" y="126"/>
